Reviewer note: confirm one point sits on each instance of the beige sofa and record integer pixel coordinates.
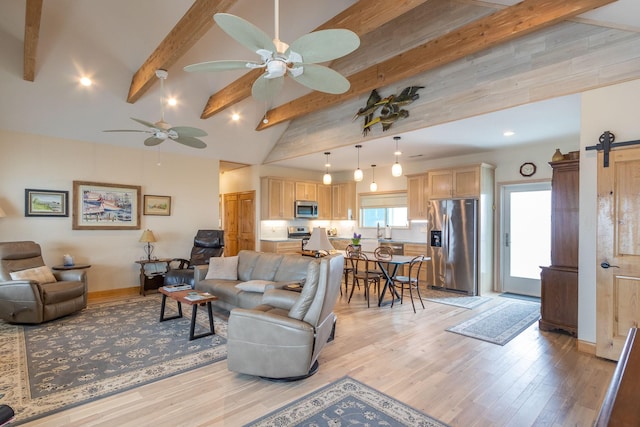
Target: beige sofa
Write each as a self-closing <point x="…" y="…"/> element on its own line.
<point x="255" y="273"/>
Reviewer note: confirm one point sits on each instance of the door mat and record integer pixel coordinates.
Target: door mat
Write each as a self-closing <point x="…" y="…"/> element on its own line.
<point x="520" y="297"/>
<point x="453" y="298"/>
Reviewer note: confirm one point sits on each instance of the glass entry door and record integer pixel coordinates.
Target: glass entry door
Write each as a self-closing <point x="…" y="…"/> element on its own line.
<point x="525" y="236"/>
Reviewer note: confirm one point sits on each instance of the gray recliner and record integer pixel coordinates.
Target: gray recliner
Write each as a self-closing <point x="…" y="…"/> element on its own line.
<point x="29" y="301"/>
<point x="283" y="337"/>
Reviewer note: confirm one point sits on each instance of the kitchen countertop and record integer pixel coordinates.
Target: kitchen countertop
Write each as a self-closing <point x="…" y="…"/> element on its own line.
<point x="286" y="239"/>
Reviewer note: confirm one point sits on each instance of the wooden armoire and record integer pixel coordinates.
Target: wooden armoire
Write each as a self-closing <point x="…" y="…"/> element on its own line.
<point x="559" y="281"/>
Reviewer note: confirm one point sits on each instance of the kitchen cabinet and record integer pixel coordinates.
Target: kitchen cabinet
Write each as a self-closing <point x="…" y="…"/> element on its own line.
<point x="324" y="201"/>
<point x="462" y="182"/>
<point x="306" y="191"/>
<point x="343" y="201"/>
<point x="415" y="249"/>
<point x="559" y="281"/>
<point x="281" y="247"/>
<point x="417" y="196"/>
<point x="277" y="198"/>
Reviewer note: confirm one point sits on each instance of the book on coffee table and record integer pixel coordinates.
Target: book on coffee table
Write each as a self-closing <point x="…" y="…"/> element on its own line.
<point x="197" y="297"/>
<point x="175" y="288"/>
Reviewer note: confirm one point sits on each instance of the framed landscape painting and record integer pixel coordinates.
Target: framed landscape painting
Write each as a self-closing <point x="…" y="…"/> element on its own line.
<point x="46" y="202"/>
<point x="102" y="206"/>
<point x="157" y="205"/>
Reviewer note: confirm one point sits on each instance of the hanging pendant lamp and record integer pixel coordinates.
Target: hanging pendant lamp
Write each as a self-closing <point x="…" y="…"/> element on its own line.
<point x="396" y="169"/>
<point x="326" y="179"/>
<point x="357" y="174"/>
<point x="373" y="186"/>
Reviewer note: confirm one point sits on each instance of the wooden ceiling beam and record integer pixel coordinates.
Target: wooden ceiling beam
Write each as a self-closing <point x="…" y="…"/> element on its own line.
<point x="361" y="18"/>
<point x="32" y="19"/>
<point x="499" y="27"/>
<point x="191" y="27"/>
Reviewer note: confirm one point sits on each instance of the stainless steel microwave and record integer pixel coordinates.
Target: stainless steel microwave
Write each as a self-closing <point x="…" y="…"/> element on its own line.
<point x="306" y="209"/>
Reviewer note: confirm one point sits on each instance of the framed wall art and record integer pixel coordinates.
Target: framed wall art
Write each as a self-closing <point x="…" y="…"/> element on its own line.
<point x="101" y="206"/>
<point x="46" y="202"/>
<point x="157" y="205"/>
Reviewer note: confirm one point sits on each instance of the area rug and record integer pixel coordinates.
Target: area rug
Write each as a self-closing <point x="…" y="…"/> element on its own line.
<point x="500" y="324"/>
<point x="520" y="297"/>
<point x="103" y="350"/>
<point x="346" y="402"/>
<point x="453" y="298"/>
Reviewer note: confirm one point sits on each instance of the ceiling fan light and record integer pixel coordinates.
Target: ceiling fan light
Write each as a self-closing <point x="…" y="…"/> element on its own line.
<point x="396" y="169"/>
<point x="358" y="175"/>
<point x="275" y="68"/>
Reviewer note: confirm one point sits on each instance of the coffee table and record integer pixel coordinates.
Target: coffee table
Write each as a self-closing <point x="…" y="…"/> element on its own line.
<point x="180" y="298"/>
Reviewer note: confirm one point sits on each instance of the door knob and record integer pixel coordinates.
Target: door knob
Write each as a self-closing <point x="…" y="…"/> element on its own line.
<point x="605" y="264"/>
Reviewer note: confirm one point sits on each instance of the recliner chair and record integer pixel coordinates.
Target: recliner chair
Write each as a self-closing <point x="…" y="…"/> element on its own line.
<point x="282" y="338"/>
<point x="206" y="244"/>
<point x="34" y="301"/>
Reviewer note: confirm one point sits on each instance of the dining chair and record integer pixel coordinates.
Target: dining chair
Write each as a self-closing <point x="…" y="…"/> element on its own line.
<point x="410" y="281"/>
<point x="362" y="273"/>
<point x="348" y="268"/>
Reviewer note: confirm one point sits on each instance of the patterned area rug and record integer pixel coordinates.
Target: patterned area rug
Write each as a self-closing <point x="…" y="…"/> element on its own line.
<point x="500" y="324"/>
<point x="453" y="298"/>
<point x="102" y="350"/>
<point x="343" y="403"/>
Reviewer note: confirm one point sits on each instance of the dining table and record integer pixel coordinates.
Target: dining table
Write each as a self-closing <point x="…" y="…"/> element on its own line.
<point x="389" y="268"/>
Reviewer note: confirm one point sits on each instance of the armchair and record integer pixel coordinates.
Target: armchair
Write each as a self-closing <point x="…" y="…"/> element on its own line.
<point x="282" y="338"/>
<point x="25" y="300"/>
<point x="206" y="244"/>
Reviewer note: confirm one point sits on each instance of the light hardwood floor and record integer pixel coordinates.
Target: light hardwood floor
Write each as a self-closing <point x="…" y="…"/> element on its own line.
<point x="537" y="379"/>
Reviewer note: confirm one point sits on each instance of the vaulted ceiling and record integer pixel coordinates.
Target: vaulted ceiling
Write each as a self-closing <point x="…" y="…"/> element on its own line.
<point x="120" y="44"/>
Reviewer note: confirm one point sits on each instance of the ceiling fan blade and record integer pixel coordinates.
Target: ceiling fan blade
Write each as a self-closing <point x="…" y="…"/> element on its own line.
<point x="323" y="79"/>
<point x="244" y="32"/>
<point x="188" y="131"/>
<point x="150" y="142"/>
<point x="190" y="141"/>
<point x="222" y="66"/>
<point x="264" y="89"/>
<point x="126" y="130"/>
<point x="144" y="123"/>
<point x="325" y="45"/>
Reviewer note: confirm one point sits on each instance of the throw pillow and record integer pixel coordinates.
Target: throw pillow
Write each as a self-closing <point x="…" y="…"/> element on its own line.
<point x="39" y="274"/>
<point x="256" y="285"/>
<point x="223" y="268"/>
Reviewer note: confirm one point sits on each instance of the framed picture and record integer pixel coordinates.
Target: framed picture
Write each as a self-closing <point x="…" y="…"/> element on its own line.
<point x="101" y="206"/>
<point x="157" y="205"/>
<point x="46" y="202"/>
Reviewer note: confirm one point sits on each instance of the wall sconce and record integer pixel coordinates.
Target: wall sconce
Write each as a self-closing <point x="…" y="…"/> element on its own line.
<point x="357" y="174"/>
<point x="326" y="179"/>
<point x="396" y="169"/>
<point x="373" y="186"/>
<point x="148" y="238"/>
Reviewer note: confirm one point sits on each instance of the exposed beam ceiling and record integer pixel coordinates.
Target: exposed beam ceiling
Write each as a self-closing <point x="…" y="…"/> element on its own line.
<point x="361" y="18"/>
<point x="31" y="35"/>
<point x="191" y="27"/>
<point x="499" y="27"/>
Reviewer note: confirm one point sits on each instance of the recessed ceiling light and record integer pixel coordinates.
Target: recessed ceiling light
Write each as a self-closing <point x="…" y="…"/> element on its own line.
<point x="235" y="117"/>
<point x="172" y="101"/>
<point x="508" y="133"/>
<point x="85" y="81"/>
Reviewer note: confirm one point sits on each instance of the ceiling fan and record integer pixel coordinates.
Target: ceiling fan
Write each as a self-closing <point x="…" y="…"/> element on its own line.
<point x="278" y="58"/>
<point x="162" y="130"/>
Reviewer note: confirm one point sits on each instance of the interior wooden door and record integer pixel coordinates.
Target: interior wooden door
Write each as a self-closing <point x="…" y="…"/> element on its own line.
<point x="618" y="250"/>
<point x="230" y="224"/>
<point x="246" y="220"/>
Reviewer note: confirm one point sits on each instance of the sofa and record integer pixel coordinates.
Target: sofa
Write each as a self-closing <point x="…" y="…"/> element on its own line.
<point x="240" y="281"/>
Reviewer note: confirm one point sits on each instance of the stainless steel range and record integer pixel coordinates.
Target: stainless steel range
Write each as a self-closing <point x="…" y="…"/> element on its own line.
<point x="299" y="232"/>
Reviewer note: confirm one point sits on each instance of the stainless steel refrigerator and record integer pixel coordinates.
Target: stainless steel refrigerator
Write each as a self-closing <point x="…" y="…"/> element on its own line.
<point x="453" y="245"/>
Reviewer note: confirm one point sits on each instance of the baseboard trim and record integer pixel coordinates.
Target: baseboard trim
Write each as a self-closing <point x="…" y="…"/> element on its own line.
<point x="113" y="294"/>
<point x="586" y="347"/>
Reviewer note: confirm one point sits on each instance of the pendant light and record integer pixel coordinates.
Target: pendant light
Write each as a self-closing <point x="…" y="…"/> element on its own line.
<point x="396" y="169"/>
<point x="357" y="174"/>
<point x="373" y="186"/>
<point x="326" y="179"/>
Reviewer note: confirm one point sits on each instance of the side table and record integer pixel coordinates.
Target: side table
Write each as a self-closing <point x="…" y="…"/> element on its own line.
<point x="152" y="273"/>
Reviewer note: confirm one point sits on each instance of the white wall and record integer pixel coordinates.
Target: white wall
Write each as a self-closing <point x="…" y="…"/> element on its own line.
<point x="40" y="162"/>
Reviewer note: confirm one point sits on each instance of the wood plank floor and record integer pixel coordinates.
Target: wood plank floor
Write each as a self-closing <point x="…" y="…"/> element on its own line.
<point x="537" y="379"/>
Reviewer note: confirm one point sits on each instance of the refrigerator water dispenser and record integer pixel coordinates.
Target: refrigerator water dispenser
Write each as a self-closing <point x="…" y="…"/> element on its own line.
<point x="436" y="238"/>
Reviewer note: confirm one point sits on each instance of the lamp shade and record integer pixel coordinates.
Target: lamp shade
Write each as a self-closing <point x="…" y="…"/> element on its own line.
<point x="326" y="179"/>
<point x="358" y="175"/>
<point x="319" y="240"/>
<point x="396" y="169"/>
<point x="2" y="214"/>
<point x="147" y="237"/>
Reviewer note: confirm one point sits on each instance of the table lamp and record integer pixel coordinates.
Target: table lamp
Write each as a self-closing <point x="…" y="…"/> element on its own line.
<point x="319" y="241"/>
<point x="148" y="238"/>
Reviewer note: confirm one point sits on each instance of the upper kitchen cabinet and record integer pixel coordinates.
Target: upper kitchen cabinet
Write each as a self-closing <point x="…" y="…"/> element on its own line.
<point x="277" y="198"/>
<point x="324" y="201"/>
<point x="417" y="196"/>
<point x="343" y="200"/>
<point x="306" y="191"/>
<point x="462" y="182"/>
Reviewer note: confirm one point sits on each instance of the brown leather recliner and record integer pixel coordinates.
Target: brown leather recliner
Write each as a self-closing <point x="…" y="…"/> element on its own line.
<point x="28" y="301"/>
<point x="206" y="244"/>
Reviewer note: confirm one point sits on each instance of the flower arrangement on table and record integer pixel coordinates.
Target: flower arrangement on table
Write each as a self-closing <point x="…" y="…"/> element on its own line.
<point x="356" y="239"/>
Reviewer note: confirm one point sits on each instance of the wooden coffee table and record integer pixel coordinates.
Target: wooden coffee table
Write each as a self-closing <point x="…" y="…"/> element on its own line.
<point x="180" y="298"/>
